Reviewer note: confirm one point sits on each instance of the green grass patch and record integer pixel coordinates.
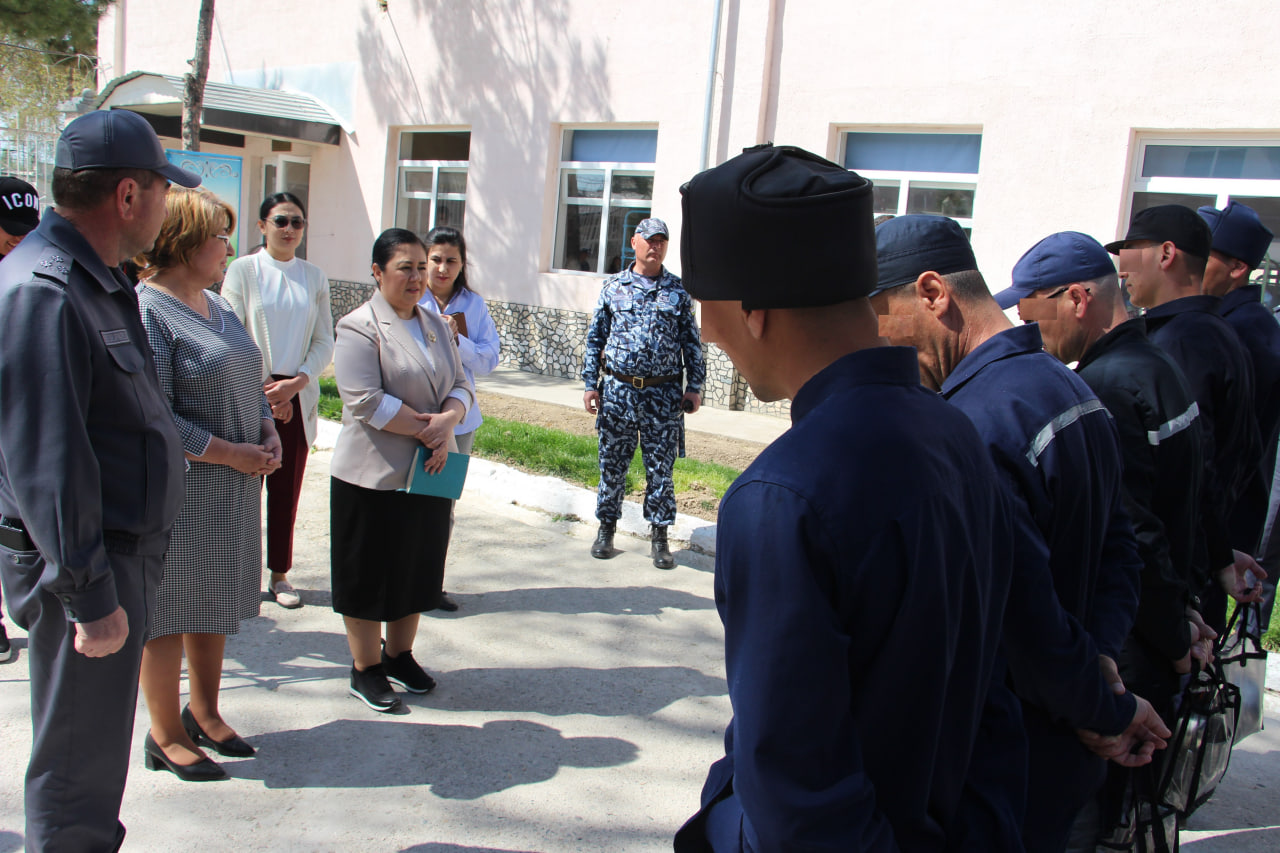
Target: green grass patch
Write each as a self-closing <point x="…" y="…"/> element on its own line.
<point x="575" y="458"/>
<point x="1271" y="639"/>
<point x="330" y="402"/>
<point x="564" y="455"/>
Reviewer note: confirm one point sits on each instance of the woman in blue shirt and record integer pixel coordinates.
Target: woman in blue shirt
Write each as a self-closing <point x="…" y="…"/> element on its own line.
<point x="473" y="330"/>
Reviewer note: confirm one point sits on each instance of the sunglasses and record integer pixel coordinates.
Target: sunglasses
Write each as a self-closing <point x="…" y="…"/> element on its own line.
<point x="285" y="221"/>
<point x="225" y="239"/>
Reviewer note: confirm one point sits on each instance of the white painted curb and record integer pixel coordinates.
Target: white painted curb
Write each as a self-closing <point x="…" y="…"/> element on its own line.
<point x="496" y="482"/>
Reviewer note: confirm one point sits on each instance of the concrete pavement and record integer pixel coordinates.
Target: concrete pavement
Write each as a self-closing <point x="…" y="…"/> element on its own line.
<point x="580" y="703"/>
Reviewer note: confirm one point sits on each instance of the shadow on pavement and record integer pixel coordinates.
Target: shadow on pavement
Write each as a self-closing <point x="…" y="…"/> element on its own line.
<point x="560" y="691"/>
<point x="455" y="848"/>
<point x="617" y="601"/>
<point x="268" y="657"/>
<point x="457" y="762"/>
<point x="10" y="842"/>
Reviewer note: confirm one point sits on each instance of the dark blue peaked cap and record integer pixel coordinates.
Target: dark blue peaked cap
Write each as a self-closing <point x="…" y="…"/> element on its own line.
<point x="1062" y="258"/>
<point x="820" y="212"/>
<point x="907" y="246"/>
<point x="1238" y="232"/>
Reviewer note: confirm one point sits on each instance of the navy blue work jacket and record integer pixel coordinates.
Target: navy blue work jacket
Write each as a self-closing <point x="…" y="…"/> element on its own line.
<point x="1260" y="333"/>
<point x="863" y="562"/>
<point x="1220" y="377"/>
<point x="1055" y="441"/>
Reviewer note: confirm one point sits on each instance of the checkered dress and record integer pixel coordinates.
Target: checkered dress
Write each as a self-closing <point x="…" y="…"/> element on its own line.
<point x="211" y="372"/>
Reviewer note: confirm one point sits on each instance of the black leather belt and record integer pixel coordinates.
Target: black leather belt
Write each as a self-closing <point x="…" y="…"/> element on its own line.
<point x="641" y="381"/>
<point x="115" y="541"/>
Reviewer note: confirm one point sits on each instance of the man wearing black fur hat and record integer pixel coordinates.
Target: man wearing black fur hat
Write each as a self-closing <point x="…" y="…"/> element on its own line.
<point x="853" y="586"/>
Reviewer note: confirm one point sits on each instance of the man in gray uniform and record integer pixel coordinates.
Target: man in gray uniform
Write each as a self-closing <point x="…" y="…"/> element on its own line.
<point x="19" y="214"/>
<point x="91" y="471"/>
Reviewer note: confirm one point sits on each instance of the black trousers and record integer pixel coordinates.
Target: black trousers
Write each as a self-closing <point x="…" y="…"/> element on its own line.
<point x="82" y="709"/>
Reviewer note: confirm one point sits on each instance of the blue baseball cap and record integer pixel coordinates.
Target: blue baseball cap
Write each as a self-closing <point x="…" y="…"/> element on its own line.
<point x="907" y="246"/>
<point x="116" y="139"/>
<point x="1062" y="258"/>
<point x="1238" y="232"/>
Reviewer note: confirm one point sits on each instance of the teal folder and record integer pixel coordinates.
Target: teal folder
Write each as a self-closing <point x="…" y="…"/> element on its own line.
<point x="447" y="484"/>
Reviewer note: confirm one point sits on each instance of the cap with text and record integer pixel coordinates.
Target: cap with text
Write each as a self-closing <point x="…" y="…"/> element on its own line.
<point x="19" y="206"/>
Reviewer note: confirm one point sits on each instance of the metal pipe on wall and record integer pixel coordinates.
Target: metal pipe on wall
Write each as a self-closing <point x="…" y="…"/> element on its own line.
<point x="711" y="86"/>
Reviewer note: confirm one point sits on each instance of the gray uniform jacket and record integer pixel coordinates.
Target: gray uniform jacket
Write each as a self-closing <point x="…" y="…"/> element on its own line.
<point x="90" y="458"/>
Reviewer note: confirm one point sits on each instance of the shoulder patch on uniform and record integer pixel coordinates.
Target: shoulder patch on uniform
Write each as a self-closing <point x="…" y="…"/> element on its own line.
<point x="53" y="263"/>
<point x="115" y="337"/>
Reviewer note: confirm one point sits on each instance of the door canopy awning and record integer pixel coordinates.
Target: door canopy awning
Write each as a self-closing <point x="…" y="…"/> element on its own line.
<point x="227" y="107"/>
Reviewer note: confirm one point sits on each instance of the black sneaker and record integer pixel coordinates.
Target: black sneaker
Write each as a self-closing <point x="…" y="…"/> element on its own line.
<point x="6" y="650"/>
<point x="404" y="670"/>
<point x="370" y="687"/>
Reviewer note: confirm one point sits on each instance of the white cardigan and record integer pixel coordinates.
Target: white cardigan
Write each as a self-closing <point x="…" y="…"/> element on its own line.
<point x="241" y="289"/>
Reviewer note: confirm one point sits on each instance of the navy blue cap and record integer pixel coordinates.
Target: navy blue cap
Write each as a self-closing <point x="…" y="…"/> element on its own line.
<point x="1238" y="232"/>
<point x="116" y="139"/>
<point x="819" y="210"/>
<point x="1062" y="258"/>
<point x="907" y="246"/>
<point x="1168" y="223"/>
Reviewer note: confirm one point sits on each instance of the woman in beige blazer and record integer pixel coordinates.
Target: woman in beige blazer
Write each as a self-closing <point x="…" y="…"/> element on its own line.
<point x="402" y="386"/>
<point x="284" y="303"/>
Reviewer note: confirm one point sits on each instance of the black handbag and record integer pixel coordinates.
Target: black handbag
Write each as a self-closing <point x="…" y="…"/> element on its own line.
<point x="1243" y="662"/>
<point x="1200" y="751"/>
<point x="1144" y="825"/>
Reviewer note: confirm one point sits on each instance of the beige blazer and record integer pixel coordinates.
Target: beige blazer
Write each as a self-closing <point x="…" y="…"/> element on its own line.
<point x="241" y="289"/>
<point x="376" y="356"/>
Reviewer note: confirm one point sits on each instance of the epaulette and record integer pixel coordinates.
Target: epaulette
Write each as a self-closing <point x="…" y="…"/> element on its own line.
<point x="53" y="264"/>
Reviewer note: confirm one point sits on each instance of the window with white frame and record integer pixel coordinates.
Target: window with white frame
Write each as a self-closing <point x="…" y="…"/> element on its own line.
<point x="605" y="189"/>
<point x="431" y="179"/>
<point x="1213" y="171"/>
<point x="918" y="171"/>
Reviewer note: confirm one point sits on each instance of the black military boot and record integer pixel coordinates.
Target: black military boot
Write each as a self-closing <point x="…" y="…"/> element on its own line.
<point x="658" y="549"/>
<point x="603" y="547"/>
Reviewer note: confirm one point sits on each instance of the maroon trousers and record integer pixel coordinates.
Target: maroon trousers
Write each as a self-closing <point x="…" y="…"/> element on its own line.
<point x="284" y="485"/>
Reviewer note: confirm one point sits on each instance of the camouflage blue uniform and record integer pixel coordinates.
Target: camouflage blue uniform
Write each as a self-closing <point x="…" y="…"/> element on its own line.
<point x="642" y="327"/>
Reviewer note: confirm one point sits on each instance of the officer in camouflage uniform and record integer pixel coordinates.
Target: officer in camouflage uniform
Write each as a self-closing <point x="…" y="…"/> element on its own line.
<point x="642" y="342"/>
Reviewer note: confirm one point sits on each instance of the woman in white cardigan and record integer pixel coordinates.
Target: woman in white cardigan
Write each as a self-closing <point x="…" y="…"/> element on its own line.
<point x="284" y="303"/>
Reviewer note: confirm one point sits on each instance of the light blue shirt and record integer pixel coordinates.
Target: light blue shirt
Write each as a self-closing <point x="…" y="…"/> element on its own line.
<point x="479" y="348"/>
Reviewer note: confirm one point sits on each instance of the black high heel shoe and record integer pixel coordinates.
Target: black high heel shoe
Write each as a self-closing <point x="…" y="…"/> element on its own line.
<point x="233" y="747"/>
<point x="204" y="770"/>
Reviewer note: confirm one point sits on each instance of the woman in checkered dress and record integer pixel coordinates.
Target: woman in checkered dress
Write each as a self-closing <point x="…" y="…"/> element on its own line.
<point x="211" y="371"/>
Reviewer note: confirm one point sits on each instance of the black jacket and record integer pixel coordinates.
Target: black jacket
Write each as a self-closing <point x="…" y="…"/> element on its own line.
<point x="1260" y="333"/>
<point x="1218" y="372"/>
<point x="1160" y="441"/>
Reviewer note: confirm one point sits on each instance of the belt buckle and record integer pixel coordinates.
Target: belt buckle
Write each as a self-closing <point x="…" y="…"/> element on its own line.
<point x="637" y="382"/>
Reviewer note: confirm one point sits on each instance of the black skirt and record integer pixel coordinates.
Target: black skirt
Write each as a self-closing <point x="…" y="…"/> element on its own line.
<point x="386" y="551"/>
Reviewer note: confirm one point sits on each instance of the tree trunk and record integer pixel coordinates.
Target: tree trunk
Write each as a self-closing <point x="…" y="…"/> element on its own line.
<point x="193" y="92"/>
